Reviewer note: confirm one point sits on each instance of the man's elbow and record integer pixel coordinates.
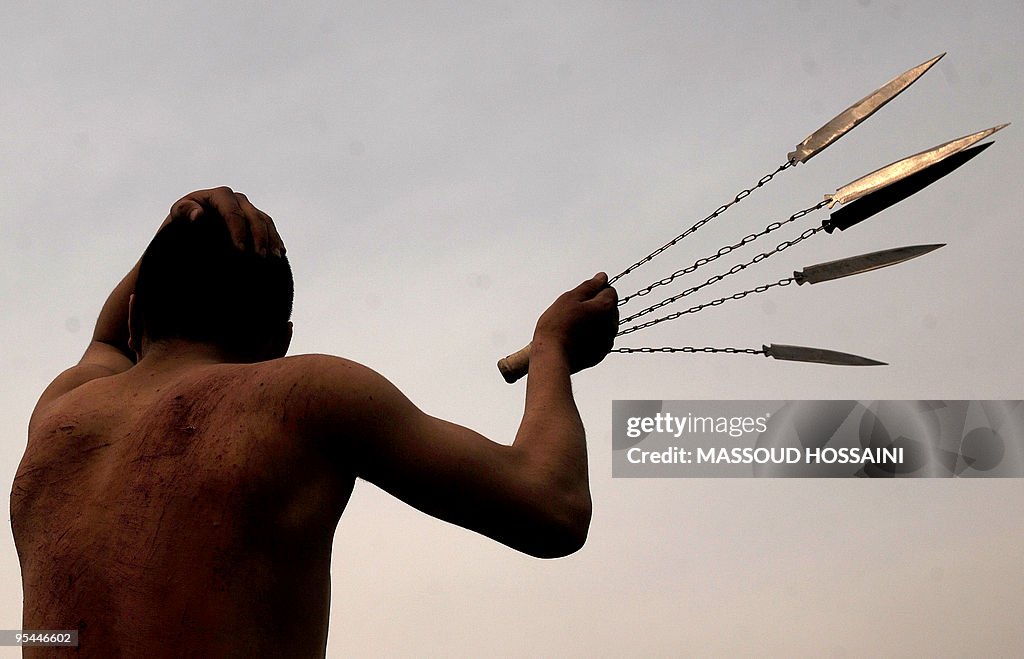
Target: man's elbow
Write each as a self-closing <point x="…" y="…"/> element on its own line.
<point x="560" y="546"/>
<point x="566" y="529"/>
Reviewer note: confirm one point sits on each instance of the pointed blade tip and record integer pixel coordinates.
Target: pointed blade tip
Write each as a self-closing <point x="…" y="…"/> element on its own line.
<point x="927" y="64"/>
<point x="988" y="132"/>
<point x="927" y="249"/>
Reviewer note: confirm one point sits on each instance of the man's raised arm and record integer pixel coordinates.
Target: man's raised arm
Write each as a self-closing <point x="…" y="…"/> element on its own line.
<point x="109" y="352"/>
<point x="533" y="495"/>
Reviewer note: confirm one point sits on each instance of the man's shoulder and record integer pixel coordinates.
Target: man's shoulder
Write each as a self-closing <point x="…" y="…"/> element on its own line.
<point x="320" y="370"/>
<point x="327" y="383"/>
<point x="330" y="398"/>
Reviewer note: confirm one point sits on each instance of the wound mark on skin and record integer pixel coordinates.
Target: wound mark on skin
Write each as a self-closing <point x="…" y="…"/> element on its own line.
<point x="288" y="401"/>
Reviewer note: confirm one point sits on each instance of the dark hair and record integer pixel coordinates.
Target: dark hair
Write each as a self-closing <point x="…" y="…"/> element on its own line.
<point x="194" y="284"/>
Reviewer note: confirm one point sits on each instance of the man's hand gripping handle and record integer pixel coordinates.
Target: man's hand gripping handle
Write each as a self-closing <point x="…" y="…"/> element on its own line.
<point x="582" y="321"/>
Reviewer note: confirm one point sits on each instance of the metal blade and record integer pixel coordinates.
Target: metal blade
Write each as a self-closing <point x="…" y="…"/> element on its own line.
<point x="848" y="119"/>
<point x="818" y="356"/>
<point x="879" y="200"/>
<point x="855" y="265"/>
<point x="903" y="168"/>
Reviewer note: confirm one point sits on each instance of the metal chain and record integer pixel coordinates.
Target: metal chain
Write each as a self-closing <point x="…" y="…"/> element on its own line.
<point x="714" y="303"/>
<point x="691" y="349"/>
<point x="721" y="209"/>
<point x="723" y="251"/>
<point x="717" y="278"/>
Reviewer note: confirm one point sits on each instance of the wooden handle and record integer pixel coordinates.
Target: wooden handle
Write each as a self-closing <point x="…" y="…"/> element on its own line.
<point x="515" y="365"/>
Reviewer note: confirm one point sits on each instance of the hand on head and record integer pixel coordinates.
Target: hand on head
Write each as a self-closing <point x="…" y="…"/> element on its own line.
<point x="250" y="228"/>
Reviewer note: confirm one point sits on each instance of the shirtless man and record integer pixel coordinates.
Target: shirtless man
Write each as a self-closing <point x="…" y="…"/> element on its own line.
<point x="182" y="483"/>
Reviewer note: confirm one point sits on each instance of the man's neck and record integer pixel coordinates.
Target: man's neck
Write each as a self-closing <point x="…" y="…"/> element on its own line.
<point x="174" y="353"/>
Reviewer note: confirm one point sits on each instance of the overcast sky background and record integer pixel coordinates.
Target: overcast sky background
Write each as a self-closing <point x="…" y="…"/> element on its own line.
<point x="441" y="171"/>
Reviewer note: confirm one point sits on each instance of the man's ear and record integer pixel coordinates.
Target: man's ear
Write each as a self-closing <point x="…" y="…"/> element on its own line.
<point x="134" y="329"/>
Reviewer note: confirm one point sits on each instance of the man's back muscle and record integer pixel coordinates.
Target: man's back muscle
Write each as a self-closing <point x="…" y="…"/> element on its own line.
<point x="181" y="509"/>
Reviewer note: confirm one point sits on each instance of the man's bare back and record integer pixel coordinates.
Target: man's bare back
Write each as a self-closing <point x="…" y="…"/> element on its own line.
<point x="191" y="515"/>
<point x="186" y="505"/>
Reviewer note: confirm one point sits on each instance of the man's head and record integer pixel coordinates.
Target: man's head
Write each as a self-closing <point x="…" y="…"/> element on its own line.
<point x="195" y="285"/>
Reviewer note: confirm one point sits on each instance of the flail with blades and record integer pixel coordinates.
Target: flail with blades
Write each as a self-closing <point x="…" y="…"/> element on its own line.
<point x="866" y="196"/>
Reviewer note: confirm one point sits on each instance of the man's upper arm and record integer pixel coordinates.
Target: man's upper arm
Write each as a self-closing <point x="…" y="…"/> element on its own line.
<point x="100" y="360"/>
<point x="442" y="468"/>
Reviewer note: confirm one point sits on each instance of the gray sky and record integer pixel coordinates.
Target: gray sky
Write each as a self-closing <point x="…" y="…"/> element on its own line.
<point x="441" y="171"/>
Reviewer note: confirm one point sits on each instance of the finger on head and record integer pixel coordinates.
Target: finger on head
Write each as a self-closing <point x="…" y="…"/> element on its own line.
<point x="186" y="207"/>
<point x="276" y="243"/>
<point x="224" y="201"/>
<point x="256" y="223"/>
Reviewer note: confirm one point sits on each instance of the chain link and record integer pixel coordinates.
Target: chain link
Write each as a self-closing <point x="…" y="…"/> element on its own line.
<point x="714" y="303"/>
<point x="743" y="194"/>
<point x="691" y="349"/>
<point x="723" y="251"/>
<point x="717" y="278"/>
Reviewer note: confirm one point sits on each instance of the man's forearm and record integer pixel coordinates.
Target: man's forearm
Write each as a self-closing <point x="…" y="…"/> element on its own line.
<point x="549" y="387"/>
<point x="112" y="324"/>
<point x="551" y="433"/>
